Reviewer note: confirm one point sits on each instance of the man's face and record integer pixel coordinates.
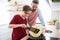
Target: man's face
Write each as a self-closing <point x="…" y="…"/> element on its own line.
<point x="34" y="6"/>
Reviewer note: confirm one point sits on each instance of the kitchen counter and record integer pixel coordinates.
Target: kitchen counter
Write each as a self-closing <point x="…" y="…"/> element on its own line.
<point x="55" y="32"/>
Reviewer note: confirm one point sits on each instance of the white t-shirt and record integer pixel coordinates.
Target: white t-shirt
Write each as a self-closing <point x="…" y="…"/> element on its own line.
<point x="37" y="20"/>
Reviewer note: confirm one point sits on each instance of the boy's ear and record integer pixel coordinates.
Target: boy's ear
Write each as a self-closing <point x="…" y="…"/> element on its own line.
<point x="21" y="10"/>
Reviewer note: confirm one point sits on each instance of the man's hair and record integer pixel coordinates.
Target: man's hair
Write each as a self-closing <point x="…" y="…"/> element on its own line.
<point x="35" y="1"/>
<point x="26" y="8"/>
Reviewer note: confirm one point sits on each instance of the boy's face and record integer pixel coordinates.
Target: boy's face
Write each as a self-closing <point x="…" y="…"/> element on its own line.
<point x="27" y="13"/>
<point x="34" y="6"/>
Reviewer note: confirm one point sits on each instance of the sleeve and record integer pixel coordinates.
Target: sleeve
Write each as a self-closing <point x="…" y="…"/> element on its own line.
<point x="14" y="20"/>
<point x="41" y="17"/>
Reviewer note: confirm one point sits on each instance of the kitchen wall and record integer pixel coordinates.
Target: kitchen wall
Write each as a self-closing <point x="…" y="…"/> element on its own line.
<point x="3" y="12"/>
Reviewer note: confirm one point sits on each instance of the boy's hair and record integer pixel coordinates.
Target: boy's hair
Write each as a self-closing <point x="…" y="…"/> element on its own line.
<point x="26" y="8"/>
<point x="35" y="1"/>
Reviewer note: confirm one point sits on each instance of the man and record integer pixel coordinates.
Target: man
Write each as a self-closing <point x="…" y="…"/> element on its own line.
<point x="32" y="19"/>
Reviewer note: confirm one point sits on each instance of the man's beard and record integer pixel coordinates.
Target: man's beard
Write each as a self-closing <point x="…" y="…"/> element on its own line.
<point x="33" y="10"/>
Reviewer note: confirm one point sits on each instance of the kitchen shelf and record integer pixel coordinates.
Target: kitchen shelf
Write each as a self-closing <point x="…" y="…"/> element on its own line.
<point x="16" y="5"/>
<point x="14" y="10"/>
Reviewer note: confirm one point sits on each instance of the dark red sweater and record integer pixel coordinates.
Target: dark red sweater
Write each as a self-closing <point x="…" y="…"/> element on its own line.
<point x="19" y="32"/>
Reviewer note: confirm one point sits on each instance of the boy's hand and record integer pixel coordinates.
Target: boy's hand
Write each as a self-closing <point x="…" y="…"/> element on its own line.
<point x="23" y="25"/>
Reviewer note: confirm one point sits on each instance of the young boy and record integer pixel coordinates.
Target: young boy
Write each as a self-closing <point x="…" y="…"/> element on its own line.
<point x="18" y="23"/>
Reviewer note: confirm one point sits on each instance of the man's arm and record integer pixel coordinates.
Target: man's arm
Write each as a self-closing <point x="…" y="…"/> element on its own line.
<point x="41" y="18"/>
